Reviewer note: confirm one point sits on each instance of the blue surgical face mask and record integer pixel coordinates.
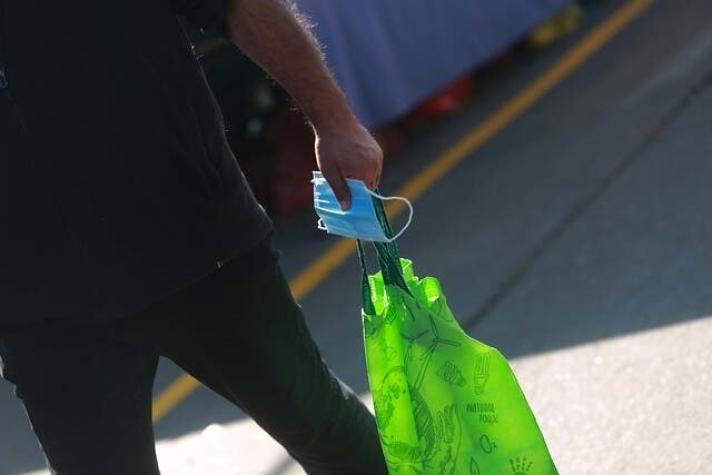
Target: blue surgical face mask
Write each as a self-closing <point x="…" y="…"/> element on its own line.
<point x="359" y="221"/>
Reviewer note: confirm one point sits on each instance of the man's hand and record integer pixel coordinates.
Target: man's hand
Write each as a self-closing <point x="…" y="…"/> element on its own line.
<point x="348" y="152"/>
<point x="272" y="34"/>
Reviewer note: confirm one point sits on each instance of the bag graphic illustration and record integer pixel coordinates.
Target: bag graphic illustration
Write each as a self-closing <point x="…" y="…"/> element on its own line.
<point x="445" y="404"/>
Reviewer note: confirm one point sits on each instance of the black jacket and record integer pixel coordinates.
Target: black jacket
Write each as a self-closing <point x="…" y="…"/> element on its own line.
<point x="117" y="186"/>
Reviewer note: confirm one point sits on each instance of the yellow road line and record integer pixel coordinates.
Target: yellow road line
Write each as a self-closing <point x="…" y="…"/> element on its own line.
<point x="313" y="275"/>
<point x="173" y="395"/>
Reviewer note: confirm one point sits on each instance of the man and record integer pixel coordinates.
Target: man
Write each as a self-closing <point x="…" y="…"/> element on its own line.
<point x="128" y="232"/>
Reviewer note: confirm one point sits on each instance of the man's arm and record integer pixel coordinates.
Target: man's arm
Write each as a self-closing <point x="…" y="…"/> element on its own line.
<point x="270" y="33"/>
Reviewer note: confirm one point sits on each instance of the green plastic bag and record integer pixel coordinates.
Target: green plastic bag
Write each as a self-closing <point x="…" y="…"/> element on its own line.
<point x="445" y="403"/>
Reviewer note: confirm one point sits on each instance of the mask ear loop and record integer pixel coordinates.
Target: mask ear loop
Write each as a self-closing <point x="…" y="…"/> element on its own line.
<point x="407" y="202"/>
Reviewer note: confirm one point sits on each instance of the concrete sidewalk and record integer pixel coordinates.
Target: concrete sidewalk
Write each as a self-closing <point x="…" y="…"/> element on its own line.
<point x="578" y="241"/>
<point x="635" y="404"/>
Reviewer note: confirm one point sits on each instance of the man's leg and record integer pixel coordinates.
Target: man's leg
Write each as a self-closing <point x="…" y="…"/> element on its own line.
<point x="242" y="334"/>
<point x="88" y="397"/>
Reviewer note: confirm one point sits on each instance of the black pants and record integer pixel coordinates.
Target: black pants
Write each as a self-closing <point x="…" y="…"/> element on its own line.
<point x="87" y="387"/>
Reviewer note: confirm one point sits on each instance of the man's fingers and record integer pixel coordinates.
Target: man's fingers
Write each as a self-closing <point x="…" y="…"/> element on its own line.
<point x="344" y="154"/>
<point x="378" y="165"/>
<point x="341" y="189"/>
<point x="368" y="171"/>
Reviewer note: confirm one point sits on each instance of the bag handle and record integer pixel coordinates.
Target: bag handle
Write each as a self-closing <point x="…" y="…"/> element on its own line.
<point x="388" y="260"/>
<point x="366" y="295"/>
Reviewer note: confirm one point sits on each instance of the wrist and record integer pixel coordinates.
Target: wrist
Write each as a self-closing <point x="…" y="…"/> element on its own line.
<point x="334" y="123"/>
<point x="331" y="114"/>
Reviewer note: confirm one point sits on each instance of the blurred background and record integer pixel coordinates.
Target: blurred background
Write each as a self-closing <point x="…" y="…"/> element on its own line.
<point x="403" y="65"/>
<point x="559" y="155"/>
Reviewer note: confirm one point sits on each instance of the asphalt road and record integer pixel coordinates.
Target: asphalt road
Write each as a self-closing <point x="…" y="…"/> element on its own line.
<point x="577" y="241"/>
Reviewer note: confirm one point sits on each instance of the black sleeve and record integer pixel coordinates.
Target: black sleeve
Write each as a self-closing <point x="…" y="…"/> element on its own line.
<point x="208" y="16"/>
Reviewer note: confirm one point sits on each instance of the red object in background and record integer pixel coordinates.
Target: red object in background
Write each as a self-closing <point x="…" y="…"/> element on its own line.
<point x="450" y="99"/>
<point x="294" y="161"/>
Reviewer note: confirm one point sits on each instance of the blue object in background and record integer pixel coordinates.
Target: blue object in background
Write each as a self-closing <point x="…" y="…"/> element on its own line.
<point x="390" y="55"/>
